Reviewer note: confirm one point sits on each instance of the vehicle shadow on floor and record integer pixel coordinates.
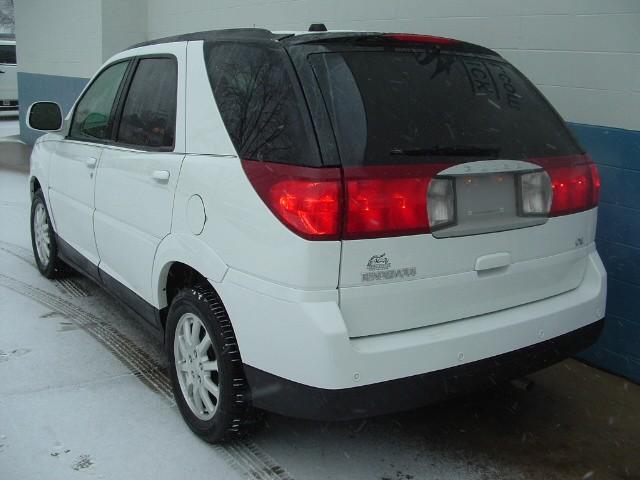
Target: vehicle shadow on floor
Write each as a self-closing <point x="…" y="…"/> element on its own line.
<point x="577" y="422"/>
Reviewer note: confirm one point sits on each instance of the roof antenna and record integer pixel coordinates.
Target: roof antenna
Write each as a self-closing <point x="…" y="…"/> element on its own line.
<point x="318" y="27"/>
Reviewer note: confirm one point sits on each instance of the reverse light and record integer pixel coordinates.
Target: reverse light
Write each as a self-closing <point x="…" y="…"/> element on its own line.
<point x="441" y="203"/>
<point x="535" y="193"/>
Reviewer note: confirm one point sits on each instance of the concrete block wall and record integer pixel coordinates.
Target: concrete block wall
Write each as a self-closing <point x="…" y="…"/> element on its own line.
<point x="61" y="44"/>
<point x="583" y="54"/>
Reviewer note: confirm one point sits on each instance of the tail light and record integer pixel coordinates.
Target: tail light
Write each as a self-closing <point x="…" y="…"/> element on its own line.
<point x="380" y="201"/>
<point x="575" y="184"/>
<point x="306" y="200"/>
<point x="388" y="201"/>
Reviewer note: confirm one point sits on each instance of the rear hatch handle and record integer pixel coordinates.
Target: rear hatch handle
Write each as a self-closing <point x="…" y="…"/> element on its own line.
<point x="493" y="262"/>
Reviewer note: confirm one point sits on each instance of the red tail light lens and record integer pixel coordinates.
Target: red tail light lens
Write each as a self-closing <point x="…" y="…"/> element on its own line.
<point x="390" y="201"/>
<point x="387" y="201"/>
<point x="575" y="183"/>
<point x="306" y="200"/>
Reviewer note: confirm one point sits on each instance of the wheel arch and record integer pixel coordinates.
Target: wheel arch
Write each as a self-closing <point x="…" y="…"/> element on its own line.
<point x="34" y="185"/>
<point x="183" y="258"/>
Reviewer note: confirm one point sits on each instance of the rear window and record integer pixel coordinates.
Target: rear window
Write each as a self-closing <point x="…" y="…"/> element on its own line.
<point x="8" y="54"/>
<point x="405" y="106"/>
<point x="261" y="103"/>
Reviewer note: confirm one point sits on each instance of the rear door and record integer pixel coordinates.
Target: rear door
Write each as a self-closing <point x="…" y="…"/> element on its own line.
<point x="138" y="175"/>
<point x="405" y="115"/>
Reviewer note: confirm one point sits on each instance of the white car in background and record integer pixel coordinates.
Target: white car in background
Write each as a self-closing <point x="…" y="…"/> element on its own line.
<point x="8" y="76"/>
<point x="326" y="225"/>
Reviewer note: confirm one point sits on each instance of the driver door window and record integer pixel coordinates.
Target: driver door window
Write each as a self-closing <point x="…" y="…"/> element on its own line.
<point x="93" y="117"/>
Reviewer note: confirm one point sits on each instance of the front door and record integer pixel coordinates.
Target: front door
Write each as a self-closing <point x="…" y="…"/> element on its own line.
<point x="74" y="163"/>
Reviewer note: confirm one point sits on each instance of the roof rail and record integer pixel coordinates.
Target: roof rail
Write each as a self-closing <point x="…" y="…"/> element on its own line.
<point x="209" y="35"/>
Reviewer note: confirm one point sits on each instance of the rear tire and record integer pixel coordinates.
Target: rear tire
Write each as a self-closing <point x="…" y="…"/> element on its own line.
<point x="206" y="370"/>
<point x="43" y="238"/>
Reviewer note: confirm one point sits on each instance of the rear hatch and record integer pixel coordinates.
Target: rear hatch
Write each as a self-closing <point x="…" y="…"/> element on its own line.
<point x="464" y="193"/>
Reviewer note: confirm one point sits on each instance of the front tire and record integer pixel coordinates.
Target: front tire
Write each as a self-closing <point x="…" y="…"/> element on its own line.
<point x="43" y="239"/>
<point x="205" y="366"/>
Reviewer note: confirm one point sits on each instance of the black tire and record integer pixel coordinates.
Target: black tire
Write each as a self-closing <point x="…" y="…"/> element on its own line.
<point x="233" y="411"/>
<point x="53" y="267"/>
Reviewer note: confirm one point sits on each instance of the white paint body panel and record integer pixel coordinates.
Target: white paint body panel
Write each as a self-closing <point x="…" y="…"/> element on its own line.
<point x="133" y="213"/>
<point x="308" y="333"/>
<point x="545" y="260"/>
<point x="71" y="194"/>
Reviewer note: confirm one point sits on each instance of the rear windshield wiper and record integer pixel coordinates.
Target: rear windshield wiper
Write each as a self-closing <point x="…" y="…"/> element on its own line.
<point x="449" y="151"/>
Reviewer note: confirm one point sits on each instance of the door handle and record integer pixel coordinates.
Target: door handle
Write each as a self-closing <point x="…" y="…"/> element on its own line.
<point x="160" y="175"/>
<point x="91" y="162"/>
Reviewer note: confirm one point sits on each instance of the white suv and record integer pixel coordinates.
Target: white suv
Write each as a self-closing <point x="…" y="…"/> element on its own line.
<point x="324" y="224"/>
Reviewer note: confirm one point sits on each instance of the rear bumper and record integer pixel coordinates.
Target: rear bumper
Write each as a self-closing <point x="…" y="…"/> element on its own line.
<point x="300" y="339"/>
<point x="293" y="399"/>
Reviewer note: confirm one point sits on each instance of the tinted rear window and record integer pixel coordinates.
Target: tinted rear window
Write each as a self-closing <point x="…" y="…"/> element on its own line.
<point x="8" y="54"/>
<point x="390" y="106"/>
<point x="261" y="103"/>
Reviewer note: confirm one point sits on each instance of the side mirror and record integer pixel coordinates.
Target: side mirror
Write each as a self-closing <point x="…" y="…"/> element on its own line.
<point x="45" y="117"/>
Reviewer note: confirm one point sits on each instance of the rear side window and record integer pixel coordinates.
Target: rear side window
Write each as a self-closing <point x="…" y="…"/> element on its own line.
<point x="405" y="107"/>
<point x="149" y="113"/>
<point x="261" y="103"/>
<point x="92" y="119"/>
<point x="8" y="54"/>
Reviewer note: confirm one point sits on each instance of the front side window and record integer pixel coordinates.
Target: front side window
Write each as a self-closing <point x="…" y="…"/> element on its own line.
<point x="149" y="114"/>
<point x="93" y="117"/>
<point x="261" y="103"/>
<point x="8" y="54"/>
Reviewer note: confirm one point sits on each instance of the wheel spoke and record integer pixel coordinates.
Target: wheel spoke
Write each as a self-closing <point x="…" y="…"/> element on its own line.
<point x="204" y="395"/>
<point x="186" y="333"/>
<point x="183" y="366"/>
<point x="210" y="366"/>
<point x="211" y="387"/>
<point x="184" y="351"/>
<point x="197" y="400"/>
<point x="195" y="332"/>
<point x="204" y="344"/>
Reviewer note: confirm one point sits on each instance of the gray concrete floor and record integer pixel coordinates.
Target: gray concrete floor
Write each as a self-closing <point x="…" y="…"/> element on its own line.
<point x="83" y="391"/>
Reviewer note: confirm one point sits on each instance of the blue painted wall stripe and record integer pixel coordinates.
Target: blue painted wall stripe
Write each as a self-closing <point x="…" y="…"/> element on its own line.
<point x="617" y="153"/>
<point x="34" y="87"/>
